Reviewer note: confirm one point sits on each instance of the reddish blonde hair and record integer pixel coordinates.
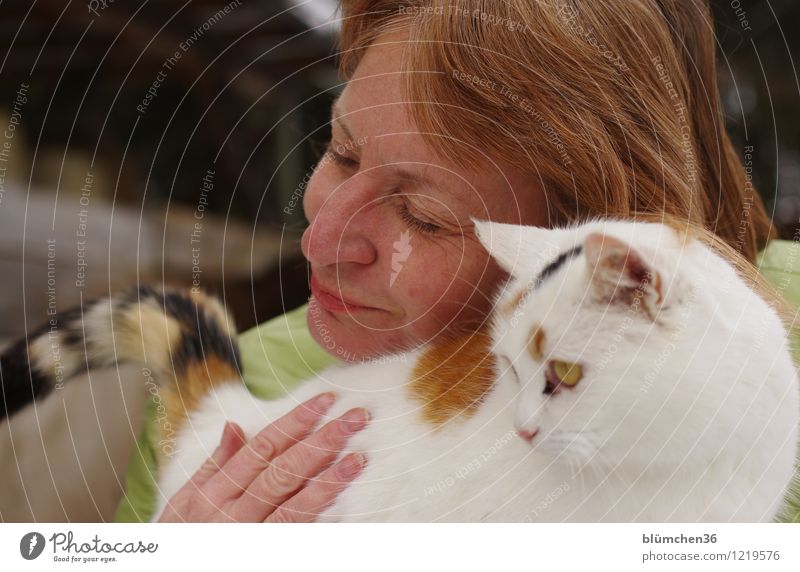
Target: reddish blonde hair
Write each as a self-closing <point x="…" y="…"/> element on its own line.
<point x="614" y="105"/>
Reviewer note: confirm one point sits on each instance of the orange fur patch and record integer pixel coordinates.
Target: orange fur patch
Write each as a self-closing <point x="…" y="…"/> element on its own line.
<point x="659" y="289"/>
<point x="514" y="302"/>
<point x="536" y="344"/>
<point x="451" y="379"/>
<point x="192" y="385"/>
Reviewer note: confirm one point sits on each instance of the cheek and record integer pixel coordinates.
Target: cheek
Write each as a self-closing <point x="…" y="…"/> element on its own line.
<point x="445" y="276"/>
<point x="474" y="277"/>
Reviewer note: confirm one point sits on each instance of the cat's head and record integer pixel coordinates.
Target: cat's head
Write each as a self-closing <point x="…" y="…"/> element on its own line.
<point x="579" y="306"/>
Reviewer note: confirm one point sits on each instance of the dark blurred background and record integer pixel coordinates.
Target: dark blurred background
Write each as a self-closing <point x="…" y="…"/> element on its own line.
<point x="171" y="141"/>
<point x="760" y="90"/>
<point x="133" y="121"/>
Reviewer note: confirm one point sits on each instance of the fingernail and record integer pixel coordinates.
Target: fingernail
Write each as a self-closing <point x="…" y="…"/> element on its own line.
<point x="324" y="401"/>
<point x="355" y="420"/>
<point x="317" y="406"/>
<point x="232" y="437"/>
<point x="350" y="466"/>
<point x="227" y="434"/>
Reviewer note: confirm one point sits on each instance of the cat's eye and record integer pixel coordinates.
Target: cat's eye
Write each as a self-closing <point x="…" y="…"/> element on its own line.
<point x="560" y="373"/>
<point x="568" y="372"/>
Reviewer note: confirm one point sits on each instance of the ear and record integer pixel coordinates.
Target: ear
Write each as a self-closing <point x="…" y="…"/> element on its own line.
<point x="619" y="273"/>
<point x="516" y="249"/>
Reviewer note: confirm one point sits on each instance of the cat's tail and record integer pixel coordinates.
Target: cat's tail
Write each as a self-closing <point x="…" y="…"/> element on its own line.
<point x="184" y="341"/>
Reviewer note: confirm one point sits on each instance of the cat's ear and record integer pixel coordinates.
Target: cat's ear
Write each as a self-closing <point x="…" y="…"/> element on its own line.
<point x="515" y="248"/>
<point x="619" y="273"/>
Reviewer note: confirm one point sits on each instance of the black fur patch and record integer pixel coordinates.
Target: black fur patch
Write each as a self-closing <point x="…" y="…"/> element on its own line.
<point x="553" y="267"/>
<point x="20" y="384"/>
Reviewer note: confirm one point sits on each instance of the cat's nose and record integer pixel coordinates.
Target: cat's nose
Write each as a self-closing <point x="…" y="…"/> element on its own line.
<point x="528" y="434"/>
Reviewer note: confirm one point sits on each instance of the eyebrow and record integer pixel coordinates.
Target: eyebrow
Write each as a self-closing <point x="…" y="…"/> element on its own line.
<point x="416" y="178"/>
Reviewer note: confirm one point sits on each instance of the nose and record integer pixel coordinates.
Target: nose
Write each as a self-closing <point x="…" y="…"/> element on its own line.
<point x="528" y="434"/>
<point x="339" y="230"/>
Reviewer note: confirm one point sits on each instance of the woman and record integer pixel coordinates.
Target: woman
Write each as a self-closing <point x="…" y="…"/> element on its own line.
<point x="525" y="112"/>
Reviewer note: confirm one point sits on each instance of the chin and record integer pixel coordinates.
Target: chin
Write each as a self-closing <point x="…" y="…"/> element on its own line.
<point x="328" y="333"/>
<point x="349" y="340"/>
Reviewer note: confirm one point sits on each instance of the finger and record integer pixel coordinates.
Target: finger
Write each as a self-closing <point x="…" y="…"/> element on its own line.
<point x="320" y="492"/>
<point x="270" y="442"/>
<point x="231" y="441"/>
<point x="290" y="471"/>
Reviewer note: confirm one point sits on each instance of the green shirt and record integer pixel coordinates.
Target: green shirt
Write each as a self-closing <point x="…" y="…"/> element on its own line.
<point x="281" y="352"/>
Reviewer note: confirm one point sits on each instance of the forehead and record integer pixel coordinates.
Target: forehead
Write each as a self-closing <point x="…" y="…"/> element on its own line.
<point x="378" y="78"/>
<point x="373" y="108"/>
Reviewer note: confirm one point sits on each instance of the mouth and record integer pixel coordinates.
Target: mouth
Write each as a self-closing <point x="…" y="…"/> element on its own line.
<point x="331" y="301"/>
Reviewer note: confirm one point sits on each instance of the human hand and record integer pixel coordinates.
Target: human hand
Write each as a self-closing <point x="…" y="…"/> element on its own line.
<point x="279" y="476"/>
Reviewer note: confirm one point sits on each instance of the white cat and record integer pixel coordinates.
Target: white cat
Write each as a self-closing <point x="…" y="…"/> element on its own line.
<point x="646" y="380"/>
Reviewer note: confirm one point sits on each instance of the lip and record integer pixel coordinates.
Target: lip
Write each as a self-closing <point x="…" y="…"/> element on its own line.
<point x="332" y="302"/>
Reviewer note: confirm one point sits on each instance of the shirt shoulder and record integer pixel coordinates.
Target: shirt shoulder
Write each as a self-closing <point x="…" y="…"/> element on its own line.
<point x="779" y="263"/>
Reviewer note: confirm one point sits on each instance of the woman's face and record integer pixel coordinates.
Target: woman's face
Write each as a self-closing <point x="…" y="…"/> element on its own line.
<point x="394" y="261"/>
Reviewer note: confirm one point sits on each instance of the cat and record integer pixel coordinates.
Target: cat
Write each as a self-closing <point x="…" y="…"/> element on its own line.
<point x="628" y="373"/>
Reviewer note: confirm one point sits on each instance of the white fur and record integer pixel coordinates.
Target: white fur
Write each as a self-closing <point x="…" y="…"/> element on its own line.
<point x="690" y="417"/>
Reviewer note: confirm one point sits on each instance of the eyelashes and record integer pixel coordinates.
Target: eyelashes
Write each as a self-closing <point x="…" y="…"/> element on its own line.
<point x="414" y="222"/>
<point x="338" y="158"/>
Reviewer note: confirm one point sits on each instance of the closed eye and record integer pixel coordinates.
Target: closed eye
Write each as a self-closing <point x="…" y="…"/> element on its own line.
<point x="414" y="222"/>
<point x="334" y="151"/>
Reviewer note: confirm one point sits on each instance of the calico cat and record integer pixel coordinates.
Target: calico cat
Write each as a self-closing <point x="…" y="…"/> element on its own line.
<point x="630" y="372"/>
